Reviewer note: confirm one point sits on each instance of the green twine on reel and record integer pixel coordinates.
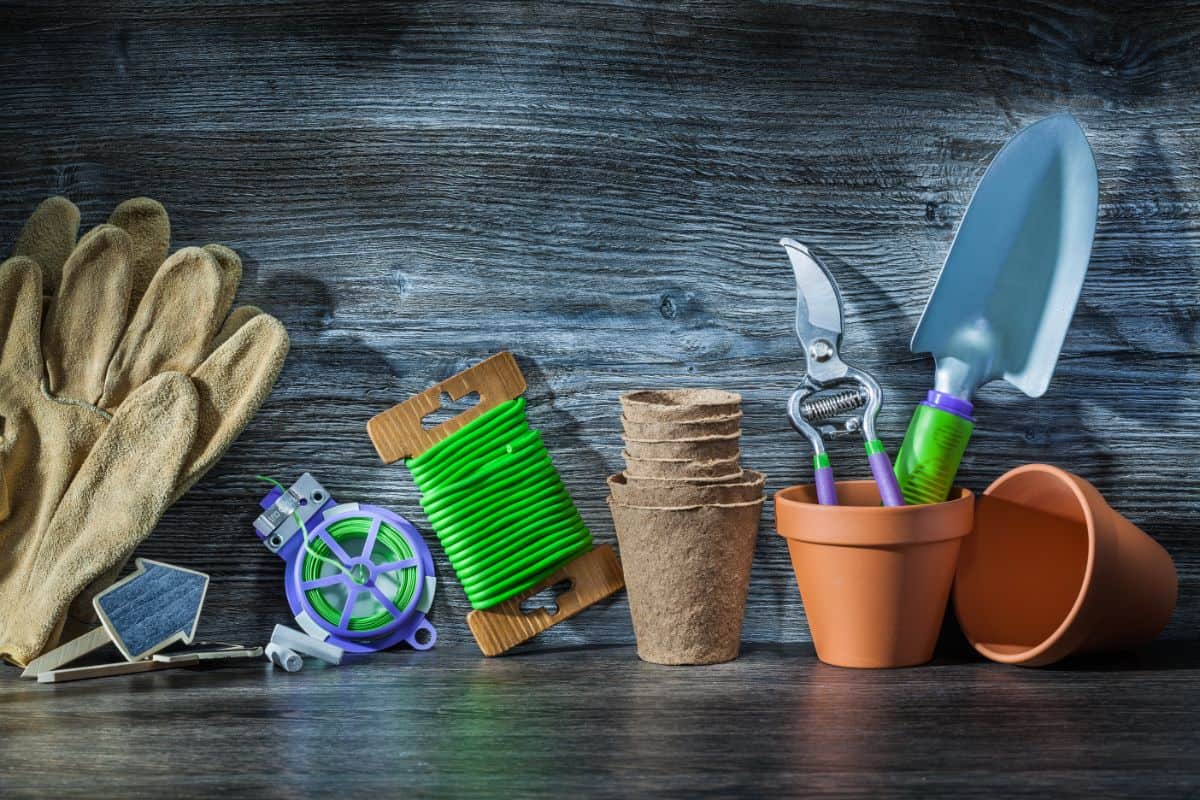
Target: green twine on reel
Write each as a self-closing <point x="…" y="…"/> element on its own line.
<point x="351" y="534"/>
<point x="498" y="505"/>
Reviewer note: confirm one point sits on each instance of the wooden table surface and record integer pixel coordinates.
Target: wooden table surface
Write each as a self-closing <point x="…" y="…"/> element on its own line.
<point x="582" y="722"/>
<point x="600" y="187"/>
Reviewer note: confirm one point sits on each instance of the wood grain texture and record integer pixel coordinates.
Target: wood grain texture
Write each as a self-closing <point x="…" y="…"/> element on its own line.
<point x="401" y="432"/>
<point x="600" y="188"/>
<point x="571" y="722"/>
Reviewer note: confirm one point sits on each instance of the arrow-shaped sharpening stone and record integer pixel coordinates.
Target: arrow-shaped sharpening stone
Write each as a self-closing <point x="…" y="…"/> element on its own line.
<point x="157" y="605"/>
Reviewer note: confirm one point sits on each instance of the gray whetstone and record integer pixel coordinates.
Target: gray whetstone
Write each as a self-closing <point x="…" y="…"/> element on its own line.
<point x="155" y="606"/>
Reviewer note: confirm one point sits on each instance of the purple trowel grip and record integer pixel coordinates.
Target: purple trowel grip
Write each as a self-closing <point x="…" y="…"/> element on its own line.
<point x="885" y="478"/>
<point x="826" y="488"/>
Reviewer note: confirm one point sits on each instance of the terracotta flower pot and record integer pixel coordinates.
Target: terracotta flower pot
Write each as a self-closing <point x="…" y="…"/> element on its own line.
<point x="874" y="579"/>
<point x="687" y="571"/>
<point x="679" y="405"/>
<point x="709" y="448"/>
<point x="1052" y="570"/>
<point x="681" y="468"/>
<point x="668" y="495"/>
<point x="664" y="431"/>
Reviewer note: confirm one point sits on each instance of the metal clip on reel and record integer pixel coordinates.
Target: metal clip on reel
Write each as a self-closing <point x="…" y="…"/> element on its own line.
<point x="358" y="576"/>
<point x="819" y="407"/>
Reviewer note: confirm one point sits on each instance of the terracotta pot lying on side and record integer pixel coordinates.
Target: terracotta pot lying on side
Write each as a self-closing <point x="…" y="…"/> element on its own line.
<point x="1052" y="570"/>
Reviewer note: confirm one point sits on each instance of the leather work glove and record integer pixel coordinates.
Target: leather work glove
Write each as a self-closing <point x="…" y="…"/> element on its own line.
<point x="117" y="392"/>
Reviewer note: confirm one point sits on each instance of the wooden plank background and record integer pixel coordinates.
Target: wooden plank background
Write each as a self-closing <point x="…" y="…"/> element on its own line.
<point x="599" y="187"/>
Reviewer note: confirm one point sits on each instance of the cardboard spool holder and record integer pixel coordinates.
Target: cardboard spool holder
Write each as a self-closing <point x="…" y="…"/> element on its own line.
<point x="400" y="433"/>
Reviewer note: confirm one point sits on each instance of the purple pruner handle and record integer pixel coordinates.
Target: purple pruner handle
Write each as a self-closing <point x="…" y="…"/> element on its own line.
<point x="889" y="488"/>
<point x="826" y="488"/>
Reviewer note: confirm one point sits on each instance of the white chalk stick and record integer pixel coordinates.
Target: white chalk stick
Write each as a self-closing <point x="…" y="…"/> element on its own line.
<point x="292" y="639"/>
<point x="287" y="660"/>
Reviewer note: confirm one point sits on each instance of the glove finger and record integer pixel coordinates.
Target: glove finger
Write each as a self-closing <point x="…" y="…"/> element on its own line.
<point x="21" y="318"/>
<point x="172" y="327"/>
<point x="231" y="275"/>
<point x="87" y="316"/>
<point x="20" y="358"/>
<point x="115" y="500"/>
<point x="240" y="316"/>
<point x="213" y="438"/>
<point x="49" y="237"/>
<point x="232" y="383"/>
<point x="146" y="222"/>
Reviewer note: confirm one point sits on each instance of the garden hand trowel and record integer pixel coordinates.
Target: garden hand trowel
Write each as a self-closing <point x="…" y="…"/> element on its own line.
<point x="1006" y="294"/>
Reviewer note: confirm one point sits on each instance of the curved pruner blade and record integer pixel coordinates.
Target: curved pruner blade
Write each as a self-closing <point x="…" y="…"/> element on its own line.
<point x="818" y="313"/>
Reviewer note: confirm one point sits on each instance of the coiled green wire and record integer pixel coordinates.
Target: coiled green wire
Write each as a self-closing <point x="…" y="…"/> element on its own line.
<point x="390" y="545"/>
<point x="317" y="553"/>
<point x="498" y="505"/>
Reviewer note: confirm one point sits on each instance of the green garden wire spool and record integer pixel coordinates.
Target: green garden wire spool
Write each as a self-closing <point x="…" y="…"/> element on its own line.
<point x="366" y="613"/>
<point x="497" y="504"/>
<point x="358" y="576"/>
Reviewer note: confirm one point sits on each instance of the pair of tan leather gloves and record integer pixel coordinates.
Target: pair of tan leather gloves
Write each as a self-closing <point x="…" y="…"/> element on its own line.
<point x="123" y="378"/>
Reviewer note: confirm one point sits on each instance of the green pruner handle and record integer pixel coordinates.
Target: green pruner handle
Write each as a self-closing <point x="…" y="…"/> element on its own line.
<point x="932" y="448"/>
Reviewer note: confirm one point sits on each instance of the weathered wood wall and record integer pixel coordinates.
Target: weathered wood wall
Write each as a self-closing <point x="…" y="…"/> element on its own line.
<point x="600" y="187"/>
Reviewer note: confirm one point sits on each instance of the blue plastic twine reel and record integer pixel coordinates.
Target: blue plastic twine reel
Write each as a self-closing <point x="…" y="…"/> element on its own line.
<point x="364" y="581"/>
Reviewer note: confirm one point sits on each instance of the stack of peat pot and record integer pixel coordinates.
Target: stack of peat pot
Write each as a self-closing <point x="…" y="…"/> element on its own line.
<point x="686" y="516"/>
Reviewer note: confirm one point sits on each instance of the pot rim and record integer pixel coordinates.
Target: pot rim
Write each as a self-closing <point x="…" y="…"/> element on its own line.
<point x="691" y="481"/>
<point x="612" y="501"/>
<point x="737" y="415"/>
<point x="731" y="460"/>
<point x="672" y="398"/>
<point x="721" y="437"/>
<point x="622" y="478"/>
<point x="890" y="525"/>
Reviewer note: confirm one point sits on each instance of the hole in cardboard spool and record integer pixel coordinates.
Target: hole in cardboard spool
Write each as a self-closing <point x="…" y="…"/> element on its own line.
<point x="449" y="409"/>
<point x="547" y="598"/>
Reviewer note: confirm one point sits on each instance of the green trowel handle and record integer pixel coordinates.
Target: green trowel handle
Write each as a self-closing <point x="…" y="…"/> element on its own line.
<point x="928" y="458"/>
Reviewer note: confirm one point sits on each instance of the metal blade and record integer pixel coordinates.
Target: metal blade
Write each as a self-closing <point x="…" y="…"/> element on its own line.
<point x="818" y="302"/>
<point x="1007" y="292"/>
<point x="818" y="314"/>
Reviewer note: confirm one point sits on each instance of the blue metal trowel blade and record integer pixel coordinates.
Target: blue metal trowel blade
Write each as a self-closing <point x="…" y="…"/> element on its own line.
<point x="1008" y="289"/>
